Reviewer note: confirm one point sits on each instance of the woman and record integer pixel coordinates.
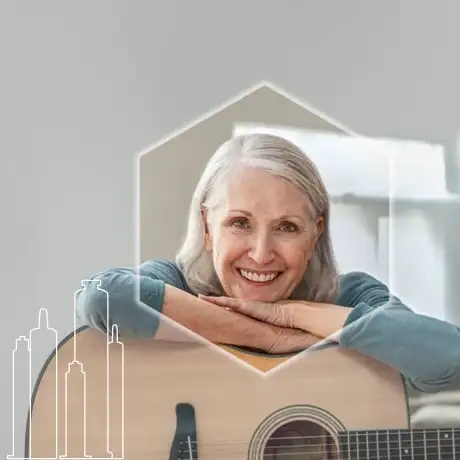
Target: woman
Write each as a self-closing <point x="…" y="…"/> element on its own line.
<point x="256" y="269"/>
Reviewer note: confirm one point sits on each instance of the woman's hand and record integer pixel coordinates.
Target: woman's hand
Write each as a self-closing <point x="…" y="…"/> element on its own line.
<point x="281" y="314"/>
<point x="268" y="335"/>
<point x="226" y="327"/>
<point x="280" y="340"/>
<point x="320" y="319"/>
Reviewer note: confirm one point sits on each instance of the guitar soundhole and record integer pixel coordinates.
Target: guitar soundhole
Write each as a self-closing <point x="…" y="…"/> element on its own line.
<point x="300" y="439"/>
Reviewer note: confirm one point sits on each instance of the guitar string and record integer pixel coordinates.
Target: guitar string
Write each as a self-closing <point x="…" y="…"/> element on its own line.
<point x="372" y="446"/>
<point x="272" y="450"/>
<point x="440" y="432"/>
<point x="437" y="445"/>
<point x="400" y="451"/>
<point x="430" y="446"/>
<point x="371" y="454"/>
<point x="377" y="457"/>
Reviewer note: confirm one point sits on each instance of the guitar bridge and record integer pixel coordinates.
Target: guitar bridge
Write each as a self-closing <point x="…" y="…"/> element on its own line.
<point x="184" y="445"/>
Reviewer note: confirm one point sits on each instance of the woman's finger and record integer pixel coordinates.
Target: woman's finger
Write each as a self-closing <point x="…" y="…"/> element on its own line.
<point x="262" y="311"/>
<point x="270" y="313"/>
<point x="228" y="302"/>
<point x="292" y="340"/>
<point x="248" y="308"/>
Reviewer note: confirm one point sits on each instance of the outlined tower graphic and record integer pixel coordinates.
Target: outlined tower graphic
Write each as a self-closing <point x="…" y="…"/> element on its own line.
<point x="43" y="340"/>
<point x="21" y="384"/>
<point x="35" y="360"/>
<point x="26" y="363"/>
<point x="76" y="386"/>
<point x="115" y="385"/>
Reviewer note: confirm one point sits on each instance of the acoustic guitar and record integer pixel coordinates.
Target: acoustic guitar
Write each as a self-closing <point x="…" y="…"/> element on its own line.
<point x="153" y="400"/>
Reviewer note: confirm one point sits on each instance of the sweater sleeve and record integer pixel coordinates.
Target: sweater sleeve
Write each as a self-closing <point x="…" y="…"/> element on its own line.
<point x="425" y="350"/>
<point x="135" y="298"/>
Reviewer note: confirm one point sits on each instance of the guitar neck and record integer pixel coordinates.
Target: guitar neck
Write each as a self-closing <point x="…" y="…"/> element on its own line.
<point x="419" y="444"/>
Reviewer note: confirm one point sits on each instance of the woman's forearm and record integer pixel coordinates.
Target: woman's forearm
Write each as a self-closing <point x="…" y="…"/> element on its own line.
<point x="323" y="320"/>
<point x="210" y="322"/>
<point x="221" y="326"/>
<point x="140" y="301"/>
<point x="141" y="319"/>
<point x="425" y="350"/>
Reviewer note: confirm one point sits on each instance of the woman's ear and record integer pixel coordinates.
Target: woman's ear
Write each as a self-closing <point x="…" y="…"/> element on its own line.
<point x="207" y="233"/>
<point x="319" y="227"/>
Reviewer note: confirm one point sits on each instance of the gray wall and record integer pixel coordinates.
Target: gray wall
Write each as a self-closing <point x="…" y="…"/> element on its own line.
<point x="85" y="85"/>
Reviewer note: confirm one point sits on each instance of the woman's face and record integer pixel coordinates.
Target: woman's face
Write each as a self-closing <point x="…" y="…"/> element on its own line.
<point x="262" y="236"/>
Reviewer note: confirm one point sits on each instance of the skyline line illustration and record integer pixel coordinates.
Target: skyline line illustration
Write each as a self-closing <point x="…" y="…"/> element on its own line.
<point x="25" y="368"/>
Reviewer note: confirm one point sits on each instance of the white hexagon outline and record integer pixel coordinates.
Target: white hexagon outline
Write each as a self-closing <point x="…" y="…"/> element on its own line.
<point x="196" y="338"/>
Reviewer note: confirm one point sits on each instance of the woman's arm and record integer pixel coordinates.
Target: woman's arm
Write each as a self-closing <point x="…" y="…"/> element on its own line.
<point x="162" y="289"/>
<point x="424" y="349"/>
<point x="222" y="326"/>
<point x="134" y="296"/>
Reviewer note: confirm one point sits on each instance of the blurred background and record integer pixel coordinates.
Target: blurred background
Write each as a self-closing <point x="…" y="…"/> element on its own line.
<point x="85" y="86"/>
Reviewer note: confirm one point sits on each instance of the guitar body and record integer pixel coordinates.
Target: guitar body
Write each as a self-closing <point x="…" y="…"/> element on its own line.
<point x="171" y="400"/>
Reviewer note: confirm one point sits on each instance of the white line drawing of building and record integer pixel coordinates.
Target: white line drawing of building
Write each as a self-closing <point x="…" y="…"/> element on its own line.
<point x="115" y="438"/>
<point x="26" y="368"/>
<point x="43" y="337"/>
<point x="20" y="393"/>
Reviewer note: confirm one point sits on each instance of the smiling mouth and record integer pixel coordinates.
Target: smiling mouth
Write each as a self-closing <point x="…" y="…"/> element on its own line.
<point x="258" y="278"/>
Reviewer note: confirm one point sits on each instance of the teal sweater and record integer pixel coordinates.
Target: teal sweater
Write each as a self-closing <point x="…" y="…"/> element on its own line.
<point x="426" y="351"/>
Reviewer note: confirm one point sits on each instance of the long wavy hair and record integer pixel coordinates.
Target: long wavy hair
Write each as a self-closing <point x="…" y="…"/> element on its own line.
<point x="282" y="158"/>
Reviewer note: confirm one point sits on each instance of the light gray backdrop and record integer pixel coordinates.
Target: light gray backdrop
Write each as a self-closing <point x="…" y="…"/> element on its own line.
<point x="85" y="85"/>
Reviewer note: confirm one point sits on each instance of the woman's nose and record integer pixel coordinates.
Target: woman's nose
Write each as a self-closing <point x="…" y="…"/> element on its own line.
<point x="262" y="249"/>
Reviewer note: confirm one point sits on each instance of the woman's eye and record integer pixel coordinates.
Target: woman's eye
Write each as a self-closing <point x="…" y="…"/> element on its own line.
<point x="288" y="227"/>
<point x="240" y="223"/>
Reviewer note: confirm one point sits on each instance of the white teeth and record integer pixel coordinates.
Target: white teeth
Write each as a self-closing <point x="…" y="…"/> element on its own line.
<point x="258" y="277"/>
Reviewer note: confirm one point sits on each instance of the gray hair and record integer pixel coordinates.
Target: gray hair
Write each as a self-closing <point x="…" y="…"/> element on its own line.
<point x="282" y="158"/>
